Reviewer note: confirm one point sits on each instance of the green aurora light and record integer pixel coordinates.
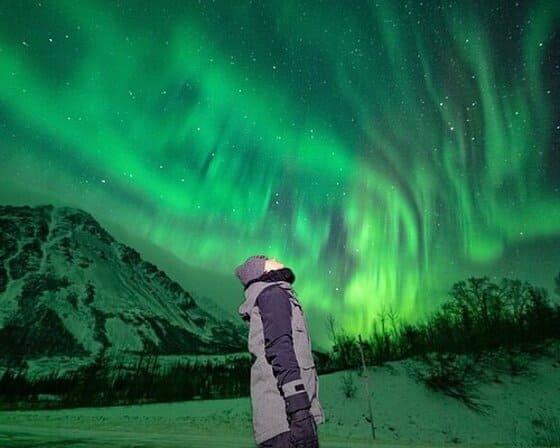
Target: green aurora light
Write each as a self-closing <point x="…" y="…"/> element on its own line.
<point x="381" y="149"/>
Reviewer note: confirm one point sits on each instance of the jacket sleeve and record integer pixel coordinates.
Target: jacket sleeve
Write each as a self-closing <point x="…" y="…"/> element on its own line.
<point x="276" y="314"/>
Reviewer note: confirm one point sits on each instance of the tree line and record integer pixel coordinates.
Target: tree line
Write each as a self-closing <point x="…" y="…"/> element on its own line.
<point x="479" y="315"/>
<point x="102" y="383"/>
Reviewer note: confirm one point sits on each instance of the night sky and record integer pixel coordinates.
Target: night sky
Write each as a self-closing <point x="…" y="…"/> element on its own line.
<point x="383" y="150"/>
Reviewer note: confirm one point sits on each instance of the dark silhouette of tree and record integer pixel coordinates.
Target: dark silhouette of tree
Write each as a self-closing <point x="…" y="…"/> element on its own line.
<point x="478" y="315"/>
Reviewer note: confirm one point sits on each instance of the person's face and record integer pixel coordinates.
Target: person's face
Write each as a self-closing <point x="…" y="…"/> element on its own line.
<point x="272" y="264"/>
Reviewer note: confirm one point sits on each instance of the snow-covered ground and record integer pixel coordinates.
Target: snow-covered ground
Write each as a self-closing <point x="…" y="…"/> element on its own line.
<point x="519" y="411"/>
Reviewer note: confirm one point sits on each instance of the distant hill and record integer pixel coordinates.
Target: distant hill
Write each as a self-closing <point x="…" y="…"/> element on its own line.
<point x="68" y="288"/>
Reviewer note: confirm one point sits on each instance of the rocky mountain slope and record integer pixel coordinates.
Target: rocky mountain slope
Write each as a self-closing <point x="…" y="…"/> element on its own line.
<point x="68" y="288"/>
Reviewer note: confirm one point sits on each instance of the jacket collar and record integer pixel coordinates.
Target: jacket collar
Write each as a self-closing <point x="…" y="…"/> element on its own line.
<point x="284" y="274"/>
<point x="252" y="293"/>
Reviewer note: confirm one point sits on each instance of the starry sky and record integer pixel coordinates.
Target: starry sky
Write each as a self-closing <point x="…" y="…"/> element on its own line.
<point x="383" y="150"/>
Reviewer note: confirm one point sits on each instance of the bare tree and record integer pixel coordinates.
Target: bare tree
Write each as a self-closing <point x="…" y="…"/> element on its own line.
<point x="331" y="328"/>
<point x="394" y="320"/>
<point x="365" y="375"/>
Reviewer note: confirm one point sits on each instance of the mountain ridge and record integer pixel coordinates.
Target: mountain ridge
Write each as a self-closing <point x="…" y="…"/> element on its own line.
<point x="67" y="287"/>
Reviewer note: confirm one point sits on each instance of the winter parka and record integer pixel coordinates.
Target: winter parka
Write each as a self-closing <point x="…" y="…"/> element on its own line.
<point x="283" y="366"/>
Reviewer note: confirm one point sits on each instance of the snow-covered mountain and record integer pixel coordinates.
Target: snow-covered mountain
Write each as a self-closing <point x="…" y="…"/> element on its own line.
<point x="68" y="288"/>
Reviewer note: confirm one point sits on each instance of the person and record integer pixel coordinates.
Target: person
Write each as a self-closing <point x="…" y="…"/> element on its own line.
<point x="284" y="384"/>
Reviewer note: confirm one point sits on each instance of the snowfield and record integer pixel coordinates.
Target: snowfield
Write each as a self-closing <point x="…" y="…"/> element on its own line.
<point x="519" y="410"/>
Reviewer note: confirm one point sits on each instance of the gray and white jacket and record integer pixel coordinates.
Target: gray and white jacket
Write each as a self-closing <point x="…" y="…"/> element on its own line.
<point x="283" y="376"/>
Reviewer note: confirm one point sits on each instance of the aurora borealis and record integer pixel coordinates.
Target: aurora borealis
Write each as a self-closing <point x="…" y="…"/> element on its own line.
<point x="382" y="149"/>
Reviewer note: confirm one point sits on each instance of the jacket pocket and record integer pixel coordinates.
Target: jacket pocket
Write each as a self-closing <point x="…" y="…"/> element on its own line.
<point x="302" y="348"/>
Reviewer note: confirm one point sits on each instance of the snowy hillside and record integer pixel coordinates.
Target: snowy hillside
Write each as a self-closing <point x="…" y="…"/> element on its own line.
<point x="519" y="408"/>
<point x="68" y="288"/>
